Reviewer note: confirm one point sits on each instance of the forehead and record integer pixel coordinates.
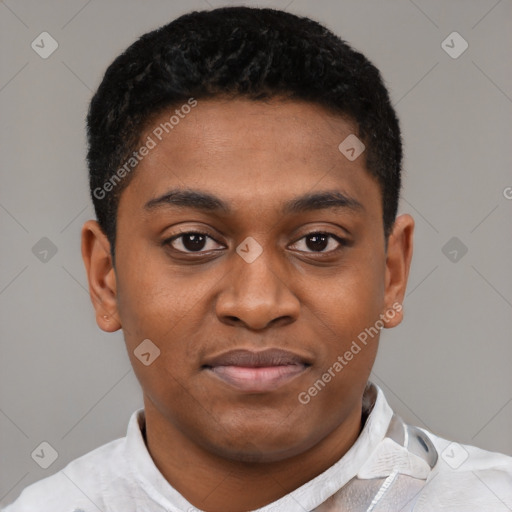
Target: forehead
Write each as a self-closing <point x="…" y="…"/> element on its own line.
<point x="275" y="130"/>
<point x="249" y="152"/>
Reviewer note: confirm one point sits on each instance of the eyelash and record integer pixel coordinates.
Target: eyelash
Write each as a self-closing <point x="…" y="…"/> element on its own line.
<point x="343" y="243"/>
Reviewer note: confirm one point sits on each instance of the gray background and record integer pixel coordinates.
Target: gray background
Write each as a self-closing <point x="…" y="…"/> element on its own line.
<point x="446" y="368"/>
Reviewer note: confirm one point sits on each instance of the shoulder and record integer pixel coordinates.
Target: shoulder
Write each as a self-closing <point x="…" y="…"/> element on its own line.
<point x="79" y="485"/>
<point x="467" y="478"/>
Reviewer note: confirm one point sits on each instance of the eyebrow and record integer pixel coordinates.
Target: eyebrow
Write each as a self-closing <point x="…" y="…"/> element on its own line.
<point x="200" y="200"/>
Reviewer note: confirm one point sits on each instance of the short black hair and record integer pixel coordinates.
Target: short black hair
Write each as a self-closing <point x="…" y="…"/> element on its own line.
<point x="255" y="53"/>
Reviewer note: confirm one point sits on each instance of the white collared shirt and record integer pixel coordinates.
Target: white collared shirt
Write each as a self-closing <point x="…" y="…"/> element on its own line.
<point x="390" y="467"/>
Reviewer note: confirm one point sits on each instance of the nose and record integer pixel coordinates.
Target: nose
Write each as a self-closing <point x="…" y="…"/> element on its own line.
<point x="257" y="294"/>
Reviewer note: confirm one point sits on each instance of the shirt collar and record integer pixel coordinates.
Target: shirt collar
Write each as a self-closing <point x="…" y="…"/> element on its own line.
<point x="309" y="495"/>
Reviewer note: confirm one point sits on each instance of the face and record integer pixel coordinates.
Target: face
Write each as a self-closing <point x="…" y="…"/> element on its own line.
<point x="251" y="252"/>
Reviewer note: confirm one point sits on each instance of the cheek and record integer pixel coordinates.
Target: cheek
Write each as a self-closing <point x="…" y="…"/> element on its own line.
<point x="352" y="298"/>
<point x="149" y="298"/>
<point x="346" y="314"/>
<point x="162" y="304"/>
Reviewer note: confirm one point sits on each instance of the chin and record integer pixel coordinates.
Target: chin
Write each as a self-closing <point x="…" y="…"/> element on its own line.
<point x="261" y="447"/>
<point x="258" y="455"/>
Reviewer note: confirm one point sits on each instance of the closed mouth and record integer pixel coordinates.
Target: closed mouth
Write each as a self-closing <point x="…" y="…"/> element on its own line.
<point x="256" y="371"/>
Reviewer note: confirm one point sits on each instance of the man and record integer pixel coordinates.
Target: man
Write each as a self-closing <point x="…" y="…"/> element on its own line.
<point x="245" y="172"/>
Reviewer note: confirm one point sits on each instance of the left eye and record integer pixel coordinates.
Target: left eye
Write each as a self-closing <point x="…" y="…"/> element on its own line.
<point x="319" y="241"/>
<point x="193" y="241"/>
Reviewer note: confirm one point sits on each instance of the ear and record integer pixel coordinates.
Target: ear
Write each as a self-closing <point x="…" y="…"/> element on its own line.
<point x="398" y="262"/>
<point x="101" y="276"/>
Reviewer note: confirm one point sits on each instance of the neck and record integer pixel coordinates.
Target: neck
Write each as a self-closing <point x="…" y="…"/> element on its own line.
<point x="216" y="484"/>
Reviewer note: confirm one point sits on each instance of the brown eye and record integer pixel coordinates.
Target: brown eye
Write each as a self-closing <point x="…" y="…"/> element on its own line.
<point x="190" y="241"/>
<point x="319" y="241"/>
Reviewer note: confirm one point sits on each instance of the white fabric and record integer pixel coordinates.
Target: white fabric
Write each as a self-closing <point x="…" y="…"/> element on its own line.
<point x="120" y="476"/>
<point x="388" y="457"/>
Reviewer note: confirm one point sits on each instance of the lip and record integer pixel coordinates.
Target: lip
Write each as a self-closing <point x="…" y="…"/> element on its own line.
<point x="256" y="371"/>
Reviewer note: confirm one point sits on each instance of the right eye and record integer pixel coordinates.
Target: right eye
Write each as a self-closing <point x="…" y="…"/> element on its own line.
<point x="190" y="242"/>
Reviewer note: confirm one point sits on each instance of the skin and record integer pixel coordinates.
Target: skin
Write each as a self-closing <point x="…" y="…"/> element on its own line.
<point x="221" y="448"/>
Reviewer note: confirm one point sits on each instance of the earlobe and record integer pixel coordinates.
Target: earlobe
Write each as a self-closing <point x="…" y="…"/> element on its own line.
<point x="101" y="276"/>
<point x="398" y="262"/>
